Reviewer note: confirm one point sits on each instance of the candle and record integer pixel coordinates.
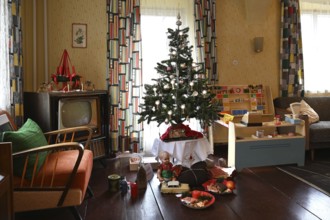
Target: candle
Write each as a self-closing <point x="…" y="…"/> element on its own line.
<point x="173" y="82"/>
<point x="204" y="92"/>
<point x="134" y="190"/>
<point x="183" y="106"/>
<point x="157" y="103"/>
<point x="169" y="113"/>
<point x="191" y="84"/>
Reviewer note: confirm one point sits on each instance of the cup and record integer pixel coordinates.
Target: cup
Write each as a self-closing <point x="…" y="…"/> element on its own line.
<point x="260" y="133"/>
<point x="113" y="182"/>
<point x="134" y="190"/>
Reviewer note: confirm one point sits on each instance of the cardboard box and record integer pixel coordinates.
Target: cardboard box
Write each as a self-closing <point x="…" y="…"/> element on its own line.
<point x="252" y="119"/>
<point x="134" y="163"/>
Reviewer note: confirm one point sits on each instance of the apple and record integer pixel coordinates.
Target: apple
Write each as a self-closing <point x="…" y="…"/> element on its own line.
<point x="195" y="194"/>
<point x="230" y="184"/>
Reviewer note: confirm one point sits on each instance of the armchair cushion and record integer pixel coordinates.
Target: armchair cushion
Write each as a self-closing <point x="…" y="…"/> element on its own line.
<point x="65" y="161"/>
<point x="27" y="137"/>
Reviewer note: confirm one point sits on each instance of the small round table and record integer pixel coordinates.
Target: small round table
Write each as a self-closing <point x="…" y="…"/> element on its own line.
<point x="186" y="152"/>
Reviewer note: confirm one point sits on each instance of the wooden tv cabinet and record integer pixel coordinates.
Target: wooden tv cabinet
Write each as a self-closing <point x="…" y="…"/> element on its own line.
<point x="43" y="108"/>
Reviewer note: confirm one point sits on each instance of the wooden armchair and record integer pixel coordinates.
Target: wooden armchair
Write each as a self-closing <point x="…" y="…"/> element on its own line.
<point x="61" y="180"/>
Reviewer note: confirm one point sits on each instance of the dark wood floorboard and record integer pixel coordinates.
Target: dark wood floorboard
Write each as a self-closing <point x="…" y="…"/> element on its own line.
<point x="258" y="198"/>
<point x="301" y="193"/>
<point x="261" y="193"/>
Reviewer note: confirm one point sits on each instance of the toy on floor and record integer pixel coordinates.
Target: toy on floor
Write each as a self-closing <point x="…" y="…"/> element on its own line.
<point x="165" y="169"/>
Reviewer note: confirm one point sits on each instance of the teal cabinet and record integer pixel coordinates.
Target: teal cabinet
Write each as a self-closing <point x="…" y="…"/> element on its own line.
<point x="280" y="144"/>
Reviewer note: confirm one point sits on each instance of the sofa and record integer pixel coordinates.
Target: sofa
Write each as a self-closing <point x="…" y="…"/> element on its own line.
<point x="318" y="133"/>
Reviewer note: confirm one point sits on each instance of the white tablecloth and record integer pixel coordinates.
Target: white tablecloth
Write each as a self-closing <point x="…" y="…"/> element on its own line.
<point x="186" y="152"/>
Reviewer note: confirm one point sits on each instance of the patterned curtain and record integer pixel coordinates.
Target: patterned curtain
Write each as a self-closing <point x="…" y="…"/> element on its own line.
<point x="15" y="61"/>
<point x="291" y="63"/>
<point x="125" y="74"/>
<point x="206" y="37"/>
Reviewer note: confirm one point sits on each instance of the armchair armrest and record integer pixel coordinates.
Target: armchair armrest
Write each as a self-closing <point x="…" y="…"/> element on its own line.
<point x="50" y="177"/>
<point x="74" y="134"/>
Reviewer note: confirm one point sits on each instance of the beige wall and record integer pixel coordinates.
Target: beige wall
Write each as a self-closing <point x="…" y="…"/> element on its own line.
<point x="32" y="60"/>
<point x="89" y="62"/>
<point x="238" y="24"/>
<point x="236" y="27"/>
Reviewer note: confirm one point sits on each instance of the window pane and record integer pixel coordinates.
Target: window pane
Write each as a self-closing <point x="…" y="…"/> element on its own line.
<point x="316" y="46"/>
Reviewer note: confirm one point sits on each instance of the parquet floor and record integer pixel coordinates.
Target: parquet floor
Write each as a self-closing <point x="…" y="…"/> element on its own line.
<point x="262" y="193"/>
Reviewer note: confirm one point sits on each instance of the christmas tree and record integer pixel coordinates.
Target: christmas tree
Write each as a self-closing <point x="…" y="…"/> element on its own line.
<point x="181" y="92"/>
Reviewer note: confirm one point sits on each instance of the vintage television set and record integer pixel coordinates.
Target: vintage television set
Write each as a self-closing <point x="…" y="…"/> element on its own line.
<point x="83" y="111"/>
<point x="58" y="110"/>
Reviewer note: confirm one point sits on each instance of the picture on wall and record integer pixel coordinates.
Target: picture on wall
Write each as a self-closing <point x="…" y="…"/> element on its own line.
<point x="79" y="35"/>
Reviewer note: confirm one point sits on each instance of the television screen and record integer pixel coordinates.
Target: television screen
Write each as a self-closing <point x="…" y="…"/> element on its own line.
<point x="78" y="112"/>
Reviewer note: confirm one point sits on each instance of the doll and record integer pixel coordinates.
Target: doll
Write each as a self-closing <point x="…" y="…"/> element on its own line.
<point x="164" y="171"/>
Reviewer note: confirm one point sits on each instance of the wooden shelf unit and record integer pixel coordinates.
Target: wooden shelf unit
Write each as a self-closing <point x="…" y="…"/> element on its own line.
<point x="237" y="100"/>
<point x="240" y="99"/>
<point x="246" y="150"/>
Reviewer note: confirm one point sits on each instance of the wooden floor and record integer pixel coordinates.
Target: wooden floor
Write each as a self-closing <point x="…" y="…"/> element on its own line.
<point x="262" y="193"/>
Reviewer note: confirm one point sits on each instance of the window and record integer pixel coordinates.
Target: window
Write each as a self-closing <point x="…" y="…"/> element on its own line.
<point x="156" y="17"/>
<point x="315" y="21"/>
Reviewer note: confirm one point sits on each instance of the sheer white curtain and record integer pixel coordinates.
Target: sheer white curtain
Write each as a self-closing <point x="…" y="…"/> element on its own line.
<point x="4" y="57"/>
<point x="156" y="17"/>
<point x="315" y="23"/>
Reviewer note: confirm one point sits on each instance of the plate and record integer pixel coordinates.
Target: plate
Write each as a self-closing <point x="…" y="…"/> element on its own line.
<point x="199" y="202"/>
<point x="215" y="187"/>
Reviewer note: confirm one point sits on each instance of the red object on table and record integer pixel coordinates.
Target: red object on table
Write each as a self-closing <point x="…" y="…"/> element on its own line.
<point x="134" y="190"/>
<point x="188" y="132"/>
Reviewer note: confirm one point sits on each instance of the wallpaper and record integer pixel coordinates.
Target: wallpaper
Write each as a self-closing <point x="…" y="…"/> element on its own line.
<point x="89" y="62"/>
<point x="238" y="23"/>
<point x="237" y="61"/>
